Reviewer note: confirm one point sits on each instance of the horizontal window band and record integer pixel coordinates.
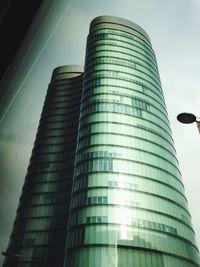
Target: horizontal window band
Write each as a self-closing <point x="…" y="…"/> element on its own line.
<point x="185" y="240"/>
<point x="91" y="90"/>
<point x="44" y="246"/>
<point x="122" y="50"/>
<point x="56" y="132"/>
<point x="98" y="78"/>
<point x="104" y="74"/>
<point x="77" y="165"/>
<point x="59" y="117"/>
<point x="70" y="122"/>
<point x="64" y="87"/>
<point x="79" y="151"/>
<point x="90" y="100"/>
<point x="83" y="134"/>
<point x="38" y="145"/>
<point x="108" y="53"/>
<point x="62" y="103"/>
<point x="67" y="119"/>
<point x="150" y="250"/>
<point x="32" y="171"/>
<point x="133" y="161"/>
<point x="30" y="219"/>
<point x="35" y="154"/>
<point x="89" y="103"/>
<point x="62" y="93"/>
<point x="125" y="61"/>
<point x="49" y="203"/>
<point x="45" y="151"/>
<point x="121" y="27"/>
<point x="46" y="188"/>
<point x="95" y="82"/>
<point x="40" y="188"/>
<point x="76" y="209"/>
<point x="45" y="205"/>
<point x="67" y="128"/>
<point x="86" y="181"/>
<point x="120" y="91"/>
<point x="125" y="115"/>
<point x="53" y="158"/>
<point x="60" y="99"/>
<point x="20" y="218"/>
<point x="53" y="149"/>
<point x="37" y="167"/>
<point x="26" y="194"/>
<point x="126" y="124"/>
<point x="56" y="147"/>
<point x="60" y="79"/>
<point x="33" y="246"/>
<point x="126" y="159"/>
<point x="114" y="189"/>
<point x="46" y="199"/>
<point x="54" y="108"/>
<point x="64" y="132"/>
<point x="121" y="30"/>
<point x="128" y="115"/>
<point x="59" y="87"/>
<point x="70" y="125"/>
<point x="34" y="182"/>
<point x="66" y="81"/>
<point x="122" y="34"/>
<point x="67" y="98"/>
<point x="93" y="40"/>
<point x="59" y="164"/>
<point x="86" y="187"/>
<point x="45" y="231"/>
<point x="63" y="124"/>
<point x="66" y="161"/>
<point x="110" y="45"/>
<point x="112" y="61"/>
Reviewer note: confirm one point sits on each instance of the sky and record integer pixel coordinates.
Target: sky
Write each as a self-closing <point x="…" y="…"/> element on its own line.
<point x="59" y="38"/>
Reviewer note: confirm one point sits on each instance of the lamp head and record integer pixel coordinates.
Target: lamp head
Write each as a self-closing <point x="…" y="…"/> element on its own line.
<point x="186" y="118"/>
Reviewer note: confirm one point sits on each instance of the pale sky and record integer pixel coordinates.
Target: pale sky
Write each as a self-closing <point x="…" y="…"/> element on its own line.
<point x="60" y="39"/>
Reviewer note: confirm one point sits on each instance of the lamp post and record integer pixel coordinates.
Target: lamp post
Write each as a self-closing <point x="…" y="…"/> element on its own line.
<point x="188" y="118"/>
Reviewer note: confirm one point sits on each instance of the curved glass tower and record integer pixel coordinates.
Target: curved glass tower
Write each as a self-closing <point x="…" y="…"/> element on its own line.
<point x="103" y="176"/>
<point x="39" y="232"/>
<point x="128" y="206"/>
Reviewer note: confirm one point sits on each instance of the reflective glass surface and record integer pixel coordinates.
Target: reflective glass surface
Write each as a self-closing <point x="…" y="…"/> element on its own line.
<point x="128" y="205"/>
<point x="41" y="222"/>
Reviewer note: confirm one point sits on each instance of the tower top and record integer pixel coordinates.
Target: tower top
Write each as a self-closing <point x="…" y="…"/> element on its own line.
<point x="118" y="23"/>
<point x="69" y="68"/>
<point x="67" y="71"/>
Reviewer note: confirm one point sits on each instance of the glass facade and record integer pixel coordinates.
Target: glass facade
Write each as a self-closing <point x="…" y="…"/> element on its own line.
<point x="39" y="232"/>
<point x="128" y="206"/>
<point x="103" y="187"/>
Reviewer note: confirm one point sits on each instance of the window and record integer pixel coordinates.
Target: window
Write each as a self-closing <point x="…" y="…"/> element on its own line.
<point x="105" y="165"/>
<point x="97" y="219"/>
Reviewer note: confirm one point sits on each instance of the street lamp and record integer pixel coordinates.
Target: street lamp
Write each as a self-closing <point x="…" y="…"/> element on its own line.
<point x="188" y="118"/>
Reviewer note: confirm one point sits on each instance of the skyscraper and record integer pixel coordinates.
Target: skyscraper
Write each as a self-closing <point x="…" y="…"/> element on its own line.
<point x="39" y="231"/>
<point x="128" y="206"/>
<point x="127" y="201"/>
